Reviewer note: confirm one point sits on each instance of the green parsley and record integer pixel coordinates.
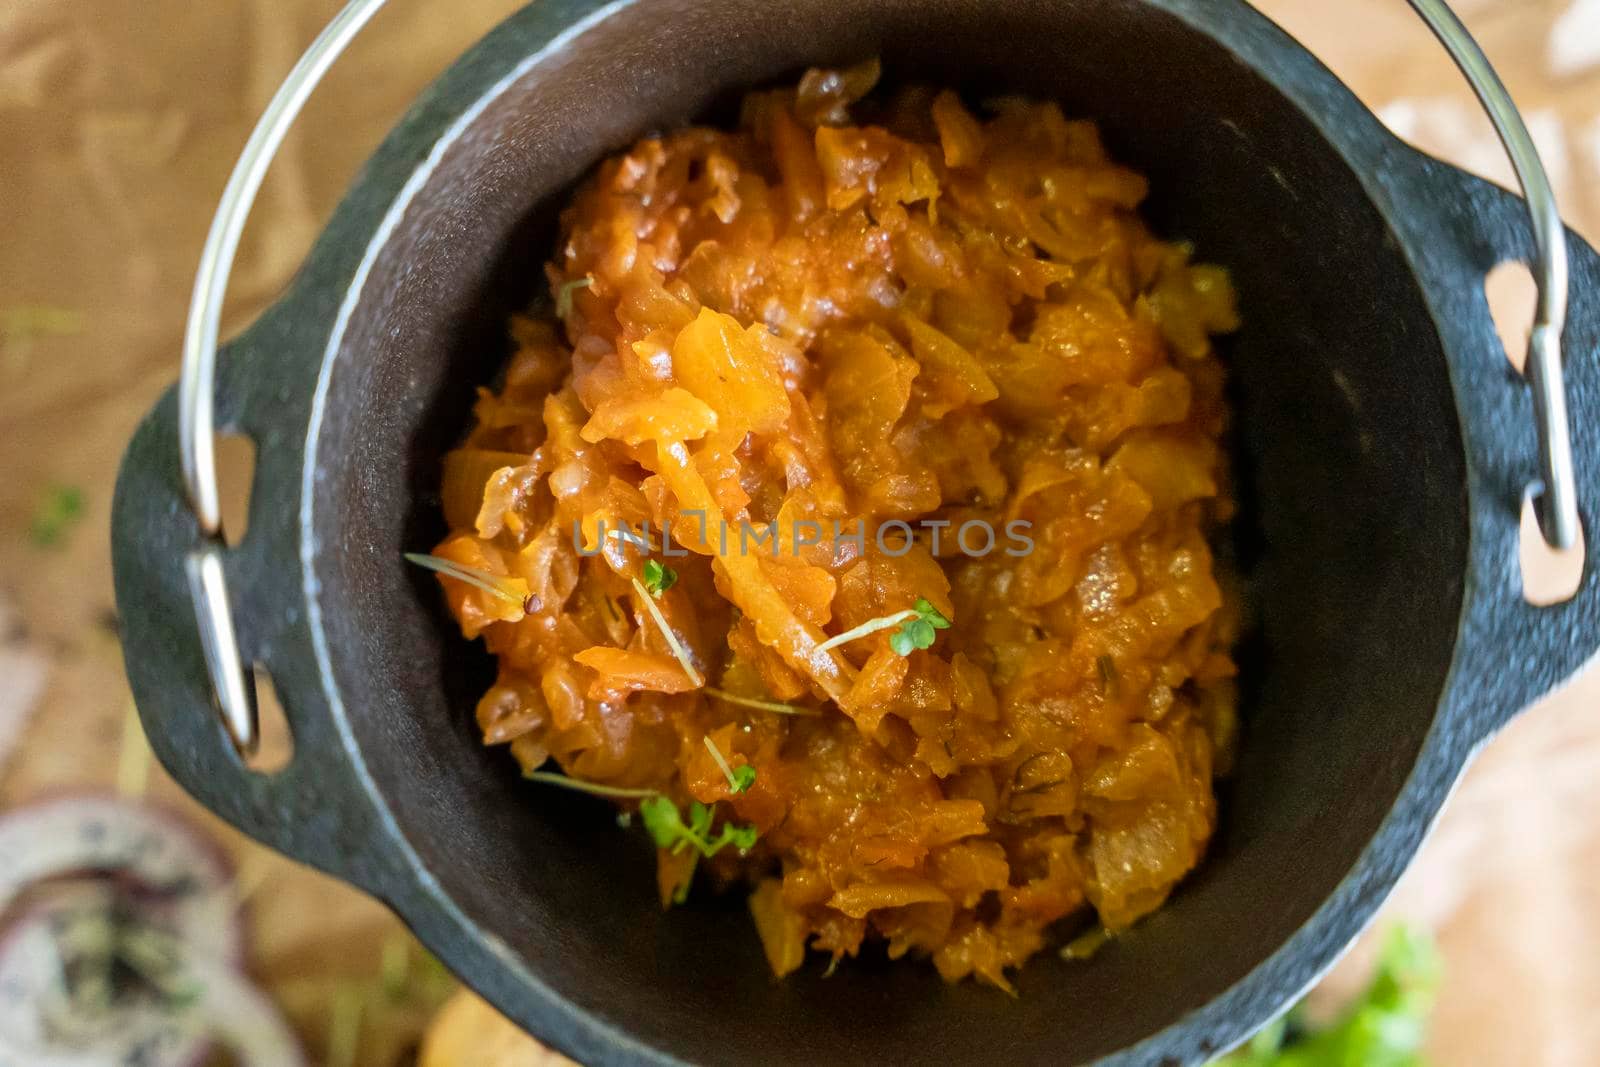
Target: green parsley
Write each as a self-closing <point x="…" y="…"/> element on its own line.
<point x="1386" y="1027"/>
<point x="658" y="577"/>
<point x="59" y="511"/>
<point x="564" y="294"/>
<point x="917" y="627"/>
<point x="740" y="778"/>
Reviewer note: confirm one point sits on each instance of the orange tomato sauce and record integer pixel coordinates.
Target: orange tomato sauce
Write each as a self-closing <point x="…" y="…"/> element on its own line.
<point x="846" y="312"/>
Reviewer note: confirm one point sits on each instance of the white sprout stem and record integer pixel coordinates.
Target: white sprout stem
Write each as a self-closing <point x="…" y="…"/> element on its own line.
<point x="759" y="705"/>
<point x="722" y="762"/>
<point x="489" y="583"/>
<point x="564" y="294"/>
<point x="628" y="537"/>
<point x="695" y="678"/>
<point x="871" y="626"/>
<point x="594" y="788"/>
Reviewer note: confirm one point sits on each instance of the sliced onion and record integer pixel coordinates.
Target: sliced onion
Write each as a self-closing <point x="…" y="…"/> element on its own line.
<point x="181" y="875"/>
<point x="189" y="1002"/>
<point x="123" y="943"/>
<point x="42" y="1027"/>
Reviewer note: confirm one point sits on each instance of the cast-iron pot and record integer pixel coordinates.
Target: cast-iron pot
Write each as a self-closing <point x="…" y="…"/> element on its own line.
<point x="1382" y="445"/>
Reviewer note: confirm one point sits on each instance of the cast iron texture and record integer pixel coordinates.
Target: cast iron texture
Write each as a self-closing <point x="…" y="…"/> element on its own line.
<point x="1383" y="442"/>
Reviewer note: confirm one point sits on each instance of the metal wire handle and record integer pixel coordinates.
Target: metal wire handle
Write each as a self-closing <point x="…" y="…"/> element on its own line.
<point x="1556" y="494"/>
<point x="235" y="694"/>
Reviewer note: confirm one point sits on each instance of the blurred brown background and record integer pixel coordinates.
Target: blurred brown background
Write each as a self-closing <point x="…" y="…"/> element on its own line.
<point x="120" y="120"/>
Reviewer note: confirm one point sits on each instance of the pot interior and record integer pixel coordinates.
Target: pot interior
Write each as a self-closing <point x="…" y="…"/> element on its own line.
<point x="1350" y="543"/>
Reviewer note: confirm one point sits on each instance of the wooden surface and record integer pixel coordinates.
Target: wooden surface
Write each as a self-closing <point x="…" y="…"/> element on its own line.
<point x="120" y="119"/>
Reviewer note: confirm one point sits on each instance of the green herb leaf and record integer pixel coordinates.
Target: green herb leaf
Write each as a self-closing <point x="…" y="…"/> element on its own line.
<point x="658" y="577"/>
<point x="699" y="818"/>
<point x="742" y="837"/>
<point x="1386" y="1027"/>
<point x="59" y="511"/>
<point x="932" y="614"/>
<point x="662" y="821"/>
<point x="739" y="778"/>
<point x="564" y="294"/>
<point x="917" y="629"/>
<point x="669" y="831"/>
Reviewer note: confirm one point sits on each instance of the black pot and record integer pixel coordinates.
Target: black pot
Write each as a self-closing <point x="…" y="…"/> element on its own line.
<point x="1383" y="443"/>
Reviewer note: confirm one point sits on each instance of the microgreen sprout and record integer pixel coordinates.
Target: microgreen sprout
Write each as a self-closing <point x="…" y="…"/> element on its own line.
<point x="918" y="632"/>
<point x="494" y="584"/>
<point x="669" y="830"/>
<point x="565" y="291"/>
<point x="916" y="629"/>
<point x="665" y="824"/>
<point x="759" y="705"/>
<point x="616" y="792"/>
<point x="658" y="577"/>
<point x="695" y="677"/>
<point x="740" y="778"/>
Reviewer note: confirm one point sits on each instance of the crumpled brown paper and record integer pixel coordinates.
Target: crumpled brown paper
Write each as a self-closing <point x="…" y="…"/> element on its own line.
<point x="120" y="120"/>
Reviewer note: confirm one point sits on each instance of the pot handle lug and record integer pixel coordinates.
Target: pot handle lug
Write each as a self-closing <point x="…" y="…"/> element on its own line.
<point x="198" y="612"/>
<point x="1512" y="653"/>
<point x="314" y="809"/>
